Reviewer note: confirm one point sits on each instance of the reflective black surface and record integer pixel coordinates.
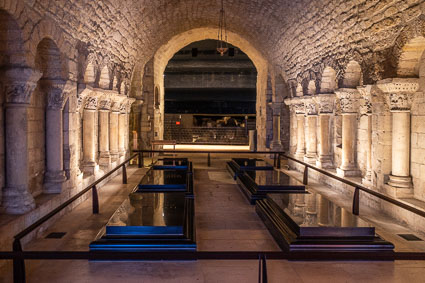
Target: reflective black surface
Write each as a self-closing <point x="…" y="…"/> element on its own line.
<point x="172" y="163"/>
<point x="246" y="164"/>
<point x="325" y="217"/>
<point x="149" y="213"/>
<point x="272" y="179"/>
<point x="164" y="177"/>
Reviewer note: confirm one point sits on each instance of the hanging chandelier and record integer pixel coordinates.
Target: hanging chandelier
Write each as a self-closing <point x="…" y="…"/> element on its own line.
<point x="222" y="45"/>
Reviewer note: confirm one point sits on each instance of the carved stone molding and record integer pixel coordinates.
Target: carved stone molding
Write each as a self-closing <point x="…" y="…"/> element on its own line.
<point x="91" y="103"/>
<point x="105" y="102"/>
<point x="348" y="100"/>
<point x="130" y="101"/>
<point x="399" y="93"/>
<point x="325" y="102"/>
<point x="298" y="105"/>
<point x="18" y="84"/>
<point x="118" y="102"/>
<point x="310" y="106"/>
<point x="366" y="99"/>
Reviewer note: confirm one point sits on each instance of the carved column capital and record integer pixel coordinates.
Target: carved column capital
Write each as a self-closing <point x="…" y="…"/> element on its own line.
<point x="18" y="84"/>
<point x="56" y="96"/>
<point x="105" y="102"/>
<point x="348" y="99"/>
<point x="130" y="101"/>
<point x="298" y="105"/>
<point x="92" y="101"/>
<point x="325" y="102"/>
<point x="399" y="92"/>
<point x="117" y="103"/>
<point x="310" y="106"/>
<point x="365" y="99"/>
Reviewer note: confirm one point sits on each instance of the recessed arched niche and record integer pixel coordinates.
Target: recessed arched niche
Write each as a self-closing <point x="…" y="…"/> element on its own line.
<point x="410" y="58"/>
<point x="328" y="84"/>
<point x="104" y="81"/>
<point x="311" y="88"/>
<point x="352" y="76"/>
<point x="90" y="74"/>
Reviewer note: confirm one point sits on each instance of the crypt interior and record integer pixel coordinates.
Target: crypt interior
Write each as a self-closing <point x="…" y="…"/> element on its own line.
<point x="326" y="98"/>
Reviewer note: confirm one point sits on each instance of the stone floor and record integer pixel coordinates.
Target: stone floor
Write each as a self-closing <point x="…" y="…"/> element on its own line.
<point x="224" y="221"/>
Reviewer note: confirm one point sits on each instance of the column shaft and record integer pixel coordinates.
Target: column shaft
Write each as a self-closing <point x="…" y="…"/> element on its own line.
<point x="368" y="176"/>
<point x="122" y="130"/>
<point x="113" y="135"/>
<point x="311" y="141"/>
<point x="89" y="140"/>
<point x="300" y="136"/>
<point x="349" y="128"/>
<point x="55" y="175"/>
<point x="325" y="157"/>
<point x="105" y="157"/>
<point x="16" y="196"/>
<point x="400" y="175"/>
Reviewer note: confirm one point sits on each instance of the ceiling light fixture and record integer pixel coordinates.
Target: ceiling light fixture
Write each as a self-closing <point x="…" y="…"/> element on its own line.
<point x="222" y="45"/>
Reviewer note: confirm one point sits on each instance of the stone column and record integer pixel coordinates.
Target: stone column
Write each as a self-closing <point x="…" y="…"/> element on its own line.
<point x="299" y="108"/>
<point x="326" y="108"/>
<point x="89" y="134"/>
<point x="366" y="109"/>
<point x="55" y="174"/>
<point x="17" y="86"/>
<point x="399" y="95"/>
<point x="104" y="112"/>
<point x="130" y="101"/>
<point x="348" y="99"/>
<point x="122" y="129"/>
<point x="311" y="140"/>
<point x="113" y="130"/>
<point x="276" y="143"/>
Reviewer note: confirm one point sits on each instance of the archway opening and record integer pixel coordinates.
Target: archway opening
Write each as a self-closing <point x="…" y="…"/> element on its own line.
<point x="208" y="98"/>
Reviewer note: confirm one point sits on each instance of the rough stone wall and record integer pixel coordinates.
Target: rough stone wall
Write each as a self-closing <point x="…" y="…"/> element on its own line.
<point x="418" y="145"/>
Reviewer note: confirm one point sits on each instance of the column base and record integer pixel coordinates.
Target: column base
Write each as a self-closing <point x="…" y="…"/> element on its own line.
<point x="343" y="172"/>
<point x="89" y="168"/>
<point x="114" y="156"/>
<point x="400" y="182"/>
<point x="299" y="155"/>
<point x="367" y="179"/>
<point x="310" y="158"/>
<point x="17" y="200"/>
<point x="105" y="159"/>
<point x="398" y="192"/>
<point x="325" y="162"/>
<point x="276" y="145"/>
<point x="53" y="182"/>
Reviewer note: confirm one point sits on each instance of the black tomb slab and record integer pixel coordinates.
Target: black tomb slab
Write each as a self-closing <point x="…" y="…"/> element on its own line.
<point x="238" y="165"/>
<point x="312" y="223"/>
<point x="166" y="180"/>
<point x="172" y="163"/>
<point x="256" y="184"/>
<point x="150" y="222"/>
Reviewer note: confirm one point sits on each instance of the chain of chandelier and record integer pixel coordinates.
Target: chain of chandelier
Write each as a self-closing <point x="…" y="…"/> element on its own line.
<point x="222" y="45"/>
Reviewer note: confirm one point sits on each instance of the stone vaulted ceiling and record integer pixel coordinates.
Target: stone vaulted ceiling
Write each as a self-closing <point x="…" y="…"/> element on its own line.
<point x="300" y="37"/>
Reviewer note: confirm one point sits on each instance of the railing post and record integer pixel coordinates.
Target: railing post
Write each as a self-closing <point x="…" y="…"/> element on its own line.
<point x="18" y="264"/>
<point x="305" y="177"/>
<point x="278" y="160"/>
<point x="141" y="159"/>
<point x="95" y="200"/>
<point x="356" y="201"/>
<point x="274" y="160"/>
<point x="124" y="174"/>
<point x="262" y="269"/>
<point x="209" y="160"/>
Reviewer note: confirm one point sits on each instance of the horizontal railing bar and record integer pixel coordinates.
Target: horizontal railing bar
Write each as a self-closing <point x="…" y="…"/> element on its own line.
<point x="39" y="222"/>
<point x="361" y="187"/>
<point x="211" y="151"/>
<point x="210" y="255"/>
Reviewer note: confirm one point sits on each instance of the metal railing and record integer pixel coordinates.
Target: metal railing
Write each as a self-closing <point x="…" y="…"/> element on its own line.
<point x="357" y="188"/>
<point x="19" y="256"/>
<point x="19" y="264"/>
<point x="207" y="135"/>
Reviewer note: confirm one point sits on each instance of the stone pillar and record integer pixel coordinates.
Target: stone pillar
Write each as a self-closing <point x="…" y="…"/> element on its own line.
<point x="348" y="99"/>
<point x="122" y="129"/>
<point x="311" y="139"/>
<point x="299" y="108"/>
<point x="276" y="143"/>
<point x="130" y="101"/>
<point x="399" y="95"/>
<point x="113" y="130"/>
<point x="89" y="134"/>
<point x="55" y="174"/>
<point x="366" y="109"/>
<point x="326" y="108"/>
<point x="17" y="86"/>
<point x="104" y="112"/>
